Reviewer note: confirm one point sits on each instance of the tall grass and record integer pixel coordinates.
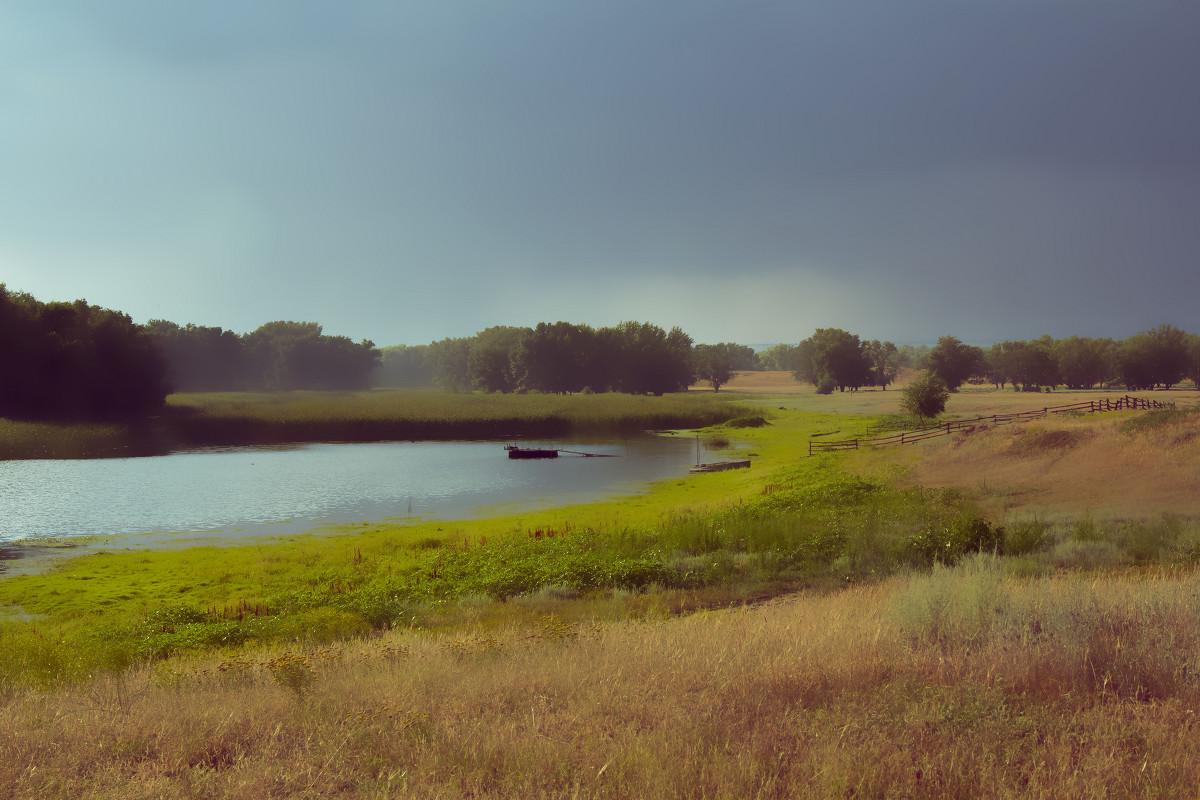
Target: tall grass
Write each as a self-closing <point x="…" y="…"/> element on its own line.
<point x="963" y="682"/>
<point x="399" y="414"/>
<point x="234" y="418"/>
<point x="23" y="440"/>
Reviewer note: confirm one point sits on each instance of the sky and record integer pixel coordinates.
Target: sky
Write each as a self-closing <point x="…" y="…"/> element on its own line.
<point x="749" y="171"/>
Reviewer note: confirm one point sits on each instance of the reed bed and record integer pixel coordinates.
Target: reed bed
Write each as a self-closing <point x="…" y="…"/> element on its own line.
<point x="962" y="682"/>
<point x="25" y="440"/>
<point x="409" y="414"/>
<point x="237" y="418"/>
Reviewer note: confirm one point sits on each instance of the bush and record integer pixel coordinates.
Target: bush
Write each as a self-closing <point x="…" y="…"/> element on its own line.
<point x="1026" y="536"/>
<point x="925" y="396"/>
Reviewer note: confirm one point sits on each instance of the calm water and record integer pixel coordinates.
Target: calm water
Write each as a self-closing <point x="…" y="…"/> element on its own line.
<point x="261" y="490"/>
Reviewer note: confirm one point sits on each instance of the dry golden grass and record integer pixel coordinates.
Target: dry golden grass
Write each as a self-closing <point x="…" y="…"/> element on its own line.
<point x="1062" y="467"/>
<point x="962" y="683"/>
<point x="785" y="390"/>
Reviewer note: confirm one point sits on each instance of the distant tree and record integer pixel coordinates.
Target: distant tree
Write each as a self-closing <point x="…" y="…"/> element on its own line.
<point x="804" y="366"/>
<point x="1150" y="358"/>
<point x="1193" y="365"/>
<point x="269" y="350"/>
<point x="1083" y="363"/>
<point x="884" y="360"/>
<point x="560" y="358"/>
<point x="1171" y="354"/>
<point x="1027" y="365"/>
<point x="404" y="366"/>
<point x="1134" y="362"/>
<point x="743" y="358"/>
<point x="834" y="355"/>
<point x="491" y="360"/>
<point x="715" y="363"/>
<point x="200" y="359"/>
<point x="955" y="362"/>
<point x="448" y="360"/>
<point x="912" y="356"/>
<point x="994" y="367"/>
<point x="925" y="396"/>
<point x="648" y="360"/>
<point x="285" y="355"/>
<point x="778" y="358"/>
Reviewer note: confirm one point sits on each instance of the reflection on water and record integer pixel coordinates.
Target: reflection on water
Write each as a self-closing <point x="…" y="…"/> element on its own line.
<point x="309" y="485"/>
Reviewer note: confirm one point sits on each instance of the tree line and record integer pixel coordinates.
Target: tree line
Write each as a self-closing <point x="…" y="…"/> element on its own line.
<point x="565" y="357"/>
<point x="76" y="361"/>
<point x="277" y="356"/>
<point x="836" y="359"/>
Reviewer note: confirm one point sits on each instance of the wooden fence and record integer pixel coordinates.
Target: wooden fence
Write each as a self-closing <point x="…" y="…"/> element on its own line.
<point x="1126" y="403"/>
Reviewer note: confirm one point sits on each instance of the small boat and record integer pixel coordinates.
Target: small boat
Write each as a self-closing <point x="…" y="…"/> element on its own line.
<point x="531" y="452"/>
<point x="720" y="466"/>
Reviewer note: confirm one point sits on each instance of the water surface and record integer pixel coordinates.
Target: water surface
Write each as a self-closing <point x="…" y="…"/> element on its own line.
<point x="283" y="489"/>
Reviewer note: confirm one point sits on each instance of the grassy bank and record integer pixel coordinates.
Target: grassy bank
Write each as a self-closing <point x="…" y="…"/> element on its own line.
<point x="237" y="418"/>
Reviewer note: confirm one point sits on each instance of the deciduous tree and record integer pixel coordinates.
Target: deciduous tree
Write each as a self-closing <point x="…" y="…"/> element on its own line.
<point x="925" y="396"/>
<point x="955" y="362"/>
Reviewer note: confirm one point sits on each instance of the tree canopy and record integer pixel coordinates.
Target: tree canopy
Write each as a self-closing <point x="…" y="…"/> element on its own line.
<point x="75" y="361"/>
<point x="716" y="363"/>
<point x="278" y="356"/>
<point x="836" y="359"/>
<point x="925" y="396"/>
<point x="955" y="362"/>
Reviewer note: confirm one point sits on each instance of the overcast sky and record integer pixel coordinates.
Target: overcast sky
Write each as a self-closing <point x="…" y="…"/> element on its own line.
<point x="749" y="171"/>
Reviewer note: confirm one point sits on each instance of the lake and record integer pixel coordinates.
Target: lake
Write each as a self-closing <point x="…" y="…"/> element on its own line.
<point x="274" y="490"/>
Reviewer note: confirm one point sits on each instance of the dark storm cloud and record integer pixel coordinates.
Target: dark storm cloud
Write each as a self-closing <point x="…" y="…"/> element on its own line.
<point x="985" y="168"/>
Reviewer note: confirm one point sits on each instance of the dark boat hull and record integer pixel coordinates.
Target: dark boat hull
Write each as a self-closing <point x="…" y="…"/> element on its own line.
<point x="720" y="466"/>
<point x="531" y="452"/>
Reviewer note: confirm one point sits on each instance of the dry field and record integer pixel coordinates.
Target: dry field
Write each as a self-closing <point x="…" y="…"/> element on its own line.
<point x="1069" y="468"/>
<point x="782" y="389"/>
<point x="1062" y="467"/>
<point x="1056" y="468"/>
<point x="962" y="683"/>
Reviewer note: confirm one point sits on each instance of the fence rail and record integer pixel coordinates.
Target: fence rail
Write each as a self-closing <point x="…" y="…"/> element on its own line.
<point x="1126" y="403"/>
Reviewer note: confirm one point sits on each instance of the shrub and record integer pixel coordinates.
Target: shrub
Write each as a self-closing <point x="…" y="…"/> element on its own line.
<point x="947" y="543"/>
<point x="925" y="396"/>
<point x="1026" y="536"/>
